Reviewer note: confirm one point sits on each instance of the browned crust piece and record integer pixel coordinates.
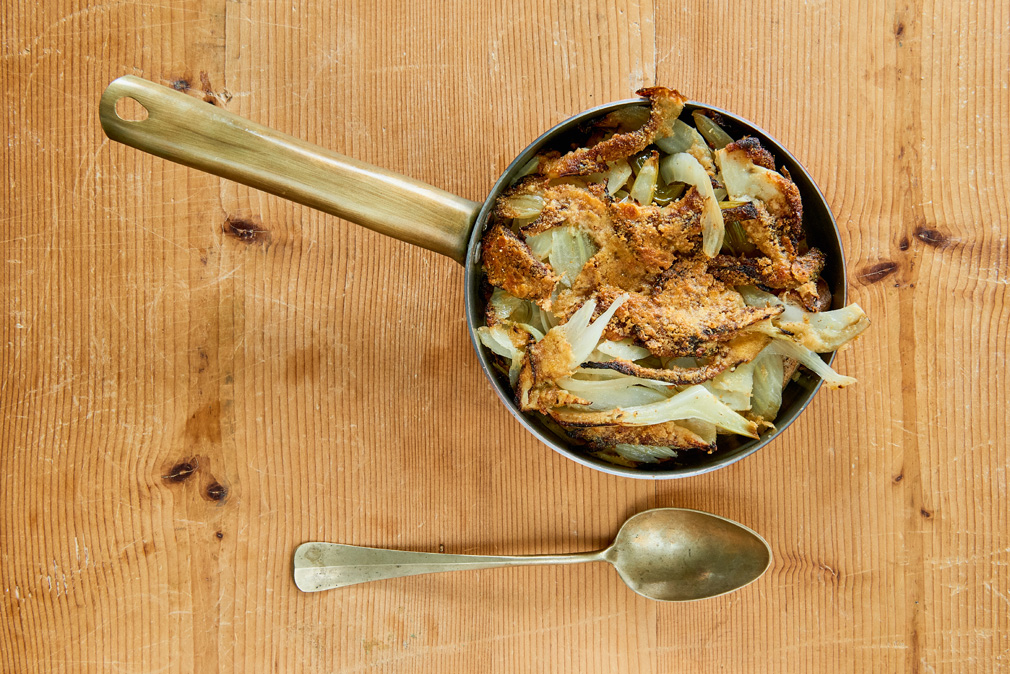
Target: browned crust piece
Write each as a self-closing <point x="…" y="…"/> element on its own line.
<point x="777" y="236"/>
<point x="740" y="271"/>
<point x="741" y="213"/>
<point x="545" y="362"/>
<point x="510" y="264"/>
<point x="550" y="358"/>
<point x="782" y="216"/>
<point x="665" y="107"/>
<point x="655" y="233"/>
<point x="684" y="314"/>
<point x="667" y="434"/>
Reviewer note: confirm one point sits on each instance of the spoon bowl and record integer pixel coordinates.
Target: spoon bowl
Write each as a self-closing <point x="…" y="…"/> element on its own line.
<point x="666" y="554"/>
<point x="675" y="554"/>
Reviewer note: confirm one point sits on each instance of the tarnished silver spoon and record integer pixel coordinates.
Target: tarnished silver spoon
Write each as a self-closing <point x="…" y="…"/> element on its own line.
<point x="667" y="554"/>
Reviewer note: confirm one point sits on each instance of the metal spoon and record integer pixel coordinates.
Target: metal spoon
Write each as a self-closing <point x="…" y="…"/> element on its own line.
<point x="667" y="554"/>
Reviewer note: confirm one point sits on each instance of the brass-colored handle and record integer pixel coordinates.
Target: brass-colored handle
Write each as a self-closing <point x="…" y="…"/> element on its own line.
<point x="325" y="566"/>
<point x="189" y="131"/>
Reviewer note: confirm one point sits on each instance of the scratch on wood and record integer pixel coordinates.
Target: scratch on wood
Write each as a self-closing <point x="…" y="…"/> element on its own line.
<point x="988" y="586"/>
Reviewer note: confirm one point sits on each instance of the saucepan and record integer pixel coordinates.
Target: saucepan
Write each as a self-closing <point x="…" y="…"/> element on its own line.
<point x="190" y="131"/>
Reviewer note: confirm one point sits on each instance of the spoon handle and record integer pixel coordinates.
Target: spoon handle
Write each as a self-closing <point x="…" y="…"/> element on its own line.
<point x="324" y="566"/>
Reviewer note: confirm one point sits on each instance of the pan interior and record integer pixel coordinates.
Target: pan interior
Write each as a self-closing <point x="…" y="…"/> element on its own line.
<point x="822" y="232"/>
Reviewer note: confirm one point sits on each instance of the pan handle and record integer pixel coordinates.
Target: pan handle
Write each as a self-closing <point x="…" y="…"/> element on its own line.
<point x="189" y="131"/>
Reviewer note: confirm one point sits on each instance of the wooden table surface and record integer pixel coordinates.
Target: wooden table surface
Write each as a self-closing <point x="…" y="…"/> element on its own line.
<point x="183" y="404"/>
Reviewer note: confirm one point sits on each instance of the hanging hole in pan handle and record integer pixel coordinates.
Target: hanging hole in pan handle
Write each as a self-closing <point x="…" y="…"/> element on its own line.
<point x="129" y="109"/>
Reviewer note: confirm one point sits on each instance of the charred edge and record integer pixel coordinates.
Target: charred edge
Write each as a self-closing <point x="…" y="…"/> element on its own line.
<point x="878" y="272"/>
<point x="245" y="230"/>
<point x="740" y="213"/>
<point x="715" y="117"/>
<point x="216" y="491"/>
<point x="903" y="244"/>
<point x="486" y="290"/>
<point x="757" y="154"/>
<point x="180" y="472"/>
<point x="932" y="237"/>
<point x="616" y="365"/>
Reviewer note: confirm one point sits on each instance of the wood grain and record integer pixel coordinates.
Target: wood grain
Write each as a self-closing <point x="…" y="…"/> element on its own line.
<point x="197" y="376"/>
